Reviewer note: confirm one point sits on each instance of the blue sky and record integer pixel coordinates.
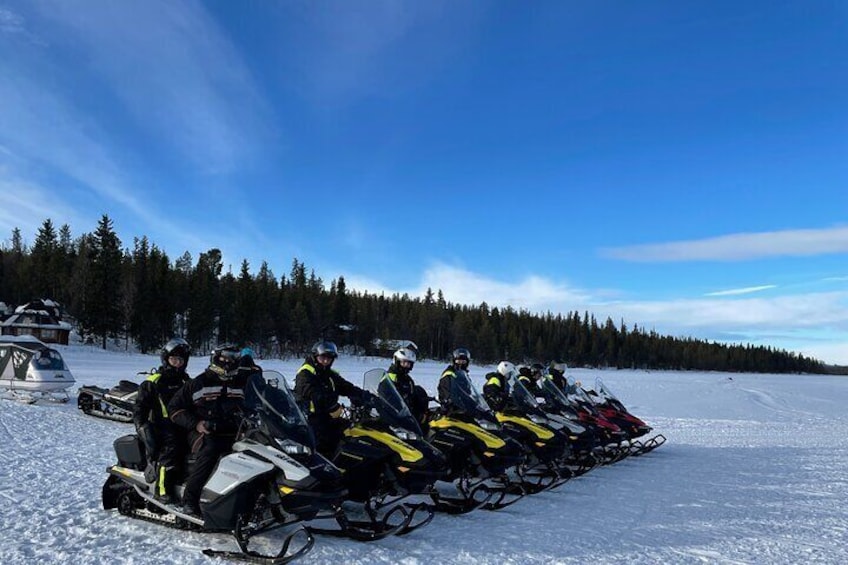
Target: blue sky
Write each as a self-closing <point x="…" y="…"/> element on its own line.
<point x="677" y="165"/>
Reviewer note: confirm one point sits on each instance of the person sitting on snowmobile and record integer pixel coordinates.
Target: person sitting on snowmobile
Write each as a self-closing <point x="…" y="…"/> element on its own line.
<point x="317" y="388"/>
<point x="163" y="441"/>
<point x="556" y="372"/>
<point x="460" y="361"/>
<point x="247" y="363"/>
<point x="529" y="379"/>
<point x="210" y="407"/>
<point x="415" y="397"/>
<point x="496" y="391"/>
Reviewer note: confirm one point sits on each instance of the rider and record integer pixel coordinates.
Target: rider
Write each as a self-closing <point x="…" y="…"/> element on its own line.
<point x="460" y="361"/>
<point x="317" y="388"/>
<point x="496" y="390"/>
<point x="163" y="441"/>
<point x="415" y="396"/>
<point x="556" y="372"/>
<point x="210" y="407"/>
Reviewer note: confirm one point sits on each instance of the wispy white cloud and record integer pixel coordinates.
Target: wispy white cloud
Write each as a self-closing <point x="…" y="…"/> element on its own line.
<point x="736" y="291"/>
<point x="739" y="247"/>
<point x="175" y="72"/>
<point x="10" y="22"/>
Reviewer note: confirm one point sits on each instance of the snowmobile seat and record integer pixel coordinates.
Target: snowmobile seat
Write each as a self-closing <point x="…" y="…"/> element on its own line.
<point x="130" y="452"/>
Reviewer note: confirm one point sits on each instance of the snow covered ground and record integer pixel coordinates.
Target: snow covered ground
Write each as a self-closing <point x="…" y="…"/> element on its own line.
<point x="755" y="471"/>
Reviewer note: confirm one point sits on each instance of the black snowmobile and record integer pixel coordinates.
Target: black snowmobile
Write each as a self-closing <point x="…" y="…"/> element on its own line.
<point x="273" y="478"/>
<point x="114" y="403"/>
<point x="548" y="451"/>
<point x="484" y="461"/>
<point x="569" y="453"/>
<point x="386" y="465"/>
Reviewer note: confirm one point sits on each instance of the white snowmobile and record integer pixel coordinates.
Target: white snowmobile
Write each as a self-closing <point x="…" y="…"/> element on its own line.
<point x="273" y="478"/>
<point x="32" y="371"/>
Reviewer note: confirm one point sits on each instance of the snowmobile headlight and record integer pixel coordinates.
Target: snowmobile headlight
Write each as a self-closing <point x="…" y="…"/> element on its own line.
<point x="487" y="425"/>
<point x="292" y="448"/>
<point x="404" y="434"/>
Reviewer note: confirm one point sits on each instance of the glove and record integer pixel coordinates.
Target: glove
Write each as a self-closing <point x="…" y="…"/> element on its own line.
<point x="336" y="411"/>
<point x="367" y="399"/>
<point x="203" y="427"/>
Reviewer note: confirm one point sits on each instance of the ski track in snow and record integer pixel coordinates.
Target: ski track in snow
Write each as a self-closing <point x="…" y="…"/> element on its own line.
<point x="753" y="472"/>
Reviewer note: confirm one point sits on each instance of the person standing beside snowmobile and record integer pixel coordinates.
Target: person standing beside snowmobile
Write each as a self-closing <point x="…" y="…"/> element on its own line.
<point x="163" y="441"/>
<point x="317" y="388"/>
<point x="210" y="407"/>
<point x="460" y="361"/>
<point x="415" y="397"/>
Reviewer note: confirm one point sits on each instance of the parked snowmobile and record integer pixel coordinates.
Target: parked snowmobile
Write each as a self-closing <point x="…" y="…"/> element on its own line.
<point x="570" y="453"/>
<point x="604" y="440"/>
<point x="114" y="403"/>
<point x="273" y="478"/>
<point x="484" y="461"/>
<point x="386" y="462"/>
<point x="611" y="408"/>
<point x="32" y="371"/>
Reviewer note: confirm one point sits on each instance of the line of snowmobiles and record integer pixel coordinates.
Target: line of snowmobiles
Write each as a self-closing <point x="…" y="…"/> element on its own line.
<point x="388" y="477"/>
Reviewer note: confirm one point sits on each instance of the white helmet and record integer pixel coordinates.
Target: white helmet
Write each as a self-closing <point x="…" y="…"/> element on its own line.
<point x="405" y="354"/>
<point x="506" y="369"/>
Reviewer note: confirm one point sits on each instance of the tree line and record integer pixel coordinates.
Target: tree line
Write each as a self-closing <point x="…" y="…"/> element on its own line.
<point x="142" y="296"/>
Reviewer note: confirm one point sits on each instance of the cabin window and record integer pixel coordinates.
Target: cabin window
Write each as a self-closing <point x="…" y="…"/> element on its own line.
<point x="48" y="335"/>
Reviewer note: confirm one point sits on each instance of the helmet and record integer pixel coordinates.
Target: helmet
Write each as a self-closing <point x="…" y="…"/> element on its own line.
<point x="525" y="371"/>
<point x="176" y="347"/>
<point x="412" y="347"/>
<point x="506" y="369"/>
<point x="558" y="366"/>
<point x="247" y="352"/>
<point x="461" y="354"/>
<point x="536" y="370"/>
<point x="325" y="348"/>
<point x="225" y="359"/>
<point x="404" y="354"/>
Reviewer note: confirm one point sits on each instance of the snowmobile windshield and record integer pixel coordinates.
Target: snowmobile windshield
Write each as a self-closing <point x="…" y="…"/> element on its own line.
<point x="552" y="394"/>
<point x="603" y="391"/>
<point x="48" y="360"/>
<point x="524" y="400"/>
<point x="276" y="408"/>
<point x="574" y="391"/>
<point x="465" y="397"/>
<point x="392" y="408"/>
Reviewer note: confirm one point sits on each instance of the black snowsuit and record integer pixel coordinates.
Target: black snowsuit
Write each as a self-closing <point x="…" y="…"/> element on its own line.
<point x="496" y="391"/>
<point x="446" y="383"/>
<point x="558" y="378"/>
<point x="317" y="389"/>
<point x="220" y="403"/>
<point x="415" y="396"/>
<point x="164" y="442"/>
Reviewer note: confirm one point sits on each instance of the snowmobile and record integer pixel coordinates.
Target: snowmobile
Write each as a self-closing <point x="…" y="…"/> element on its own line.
<point x="484" y="460"/>
<point x="386" y="463"/>
<point x="604" y="440"/>
<point x="571" y="453"/>
<point x="273" y="478"/>
<point x="32" y="371"/>
<point x="115" y="403"/>
<point x="611" y="408"/>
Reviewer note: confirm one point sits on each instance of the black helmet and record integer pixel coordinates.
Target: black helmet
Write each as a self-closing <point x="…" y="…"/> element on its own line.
<point x="558" y="367"/>
<point x="537" y="369"/>
<point x="325" y="348"/>
<point x="225" y="359"/>
<point x="461" y="354"/>
<point x="176" y="347"/>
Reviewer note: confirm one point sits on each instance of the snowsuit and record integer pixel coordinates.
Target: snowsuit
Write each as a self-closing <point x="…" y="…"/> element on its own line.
<point x="164" y="442"/>
<point x="317" y="389"/>
<point x="496" y="391"/>
<point x="558" y="378"/>
<point x="415" y="396"/>
<point x="220" y="403"/>
<point x="446" y="383"/>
